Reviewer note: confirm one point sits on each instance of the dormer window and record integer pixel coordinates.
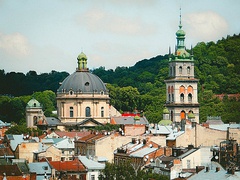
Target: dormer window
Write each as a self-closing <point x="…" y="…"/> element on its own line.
<point x="87" y="84"/>
<point x="71" y="92"/>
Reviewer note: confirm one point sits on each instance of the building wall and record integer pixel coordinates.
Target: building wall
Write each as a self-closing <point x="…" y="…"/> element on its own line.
<point x="79" y="102"/>
<point x="51" y="153"/>
<point x="200" y="136"/>
<point x="134" y="130"/>
<point x="25" y="151"/>
<point x="192" y="160"/>
<point x="106" y="146"/>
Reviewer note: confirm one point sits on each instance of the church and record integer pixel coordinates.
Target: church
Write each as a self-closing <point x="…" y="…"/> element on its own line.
<point x="82" y="101"/>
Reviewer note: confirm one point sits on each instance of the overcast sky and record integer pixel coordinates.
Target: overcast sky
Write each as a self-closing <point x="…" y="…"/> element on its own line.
<point x="45" y="35"/>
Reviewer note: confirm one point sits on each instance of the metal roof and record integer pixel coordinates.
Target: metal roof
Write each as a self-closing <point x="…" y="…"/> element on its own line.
<point x="143" y="152"/>
<point x="90" y="164"/>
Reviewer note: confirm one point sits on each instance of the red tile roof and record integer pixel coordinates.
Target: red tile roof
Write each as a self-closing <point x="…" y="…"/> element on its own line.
<point x="72" y="134"/>
<point x="74" y="165"/>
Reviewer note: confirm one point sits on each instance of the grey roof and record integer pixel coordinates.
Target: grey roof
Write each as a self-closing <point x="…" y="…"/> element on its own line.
<point x="90" y="164"/>
<point x="160" y="129"/>
<point x="52" y="121"/>
<point x="66" y="143"/>
<point x="223" y="127"/>
<point x="187" y="153"/>
<point x="130" y="120"/>
<point x="143" y="152"/>
<point x="212" y="174"/>
<point x="84" y="82"/>
<point x="39" y="167"/>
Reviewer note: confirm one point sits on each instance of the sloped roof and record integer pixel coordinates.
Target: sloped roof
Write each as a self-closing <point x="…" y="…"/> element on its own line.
<point x="39" y="167"/>
<point x="129" y="120"/>
<point x="90" y="164"/>
<point x="85" y="122"/>
<point x="188" y="153"/>
<point x="74" y="165"/>
<point x="143" y="152"/>
<point x="52" y="121"/>
<point x="72" y="134"/>
<point x="10" y="170"/>
<point x="65" y="143"/>
<point x="4" y="124"/>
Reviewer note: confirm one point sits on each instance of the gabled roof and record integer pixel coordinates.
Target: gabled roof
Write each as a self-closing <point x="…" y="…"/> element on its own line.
<point x="91" y="137"/>
<point x="6" y="152"/>
<point x="52" y="121"/>
<point x="90" y="164"/>
<point x="39" y="167"/>
<point x="89" y="122"/>
<point x="188" y="153"/>
<point x="73" y="166"/>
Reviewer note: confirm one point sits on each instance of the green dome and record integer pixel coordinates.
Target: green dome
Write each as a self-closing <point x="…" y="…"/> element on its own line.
<point x="191" y="116"/>
<point x="33" y="103"/>
<point x="180" y="32"/>
<point x="165" y="122"/>
<point x="82" y="56"/>
<point x="165" y="111"/>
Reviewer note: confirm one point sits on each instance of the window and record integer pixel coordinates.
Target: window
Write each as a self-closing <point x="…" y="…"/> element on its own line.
<point x="87" y="84"/>
<point x="92" y="177"/>
<point x="71" y="92"/>
<point x="87" y="112"/>
<point x="182" y="89"/>
<point x="188" y="70"/>
<point x="183" y="115"/>
<point x="172" y="97"/>
<point x="189" y="97"/>
<point x="71" y="111"/>
<point x="35" y="120"/>
<point x="188" y="164"/>
<point x="169" y="97"/>
<point x="180" y="70"/>
<point x="182" y="97"/>
<point x="102" y="111"/>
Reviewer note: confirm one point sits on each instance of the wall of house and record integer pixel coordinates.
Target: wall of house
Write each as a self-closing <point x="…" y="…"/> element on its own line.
<point x="134" y="130"/>
<point x="202" y="136"/>
<point x="234" y="134"/>
<point x="51" y="153"/>
<point x="192" y="160"/>
<point x="25" y="151"/>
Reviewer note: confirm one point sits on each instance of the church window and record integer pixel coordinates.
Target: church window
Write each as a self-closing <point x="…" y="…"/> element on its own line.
<point x="183" y="115"/>
<point x="34" y="105"/>
<point x="169" y="97"/>
<point x="87" y="84"/>
<point x="168" y="89"/>
<point x="172" y="97"/>
<point x="102" y="111"/>
<point x="71" y="92"/>
<point x="190" y="89"/>
<point x="182" y="97"/>
<point x="102" y="93"/>
<point x="87" y="113"/>
<point x="182" y="89"/>
<point x="71" y="111"/>
<point x="172" y="89"/>
<point x="180" y="70"/>
<point x="188" y="70"/>
<point x="189" y="97"/>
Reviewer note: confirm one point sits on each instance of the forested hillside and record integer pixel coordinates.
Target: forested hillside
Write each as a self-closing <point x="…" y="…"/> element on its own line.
<point x="142" y="87"/>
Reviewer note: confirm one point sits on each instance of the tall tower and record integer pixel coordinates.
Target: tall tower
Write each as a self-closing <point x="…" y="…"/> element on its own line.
<point x="181" y="86"/>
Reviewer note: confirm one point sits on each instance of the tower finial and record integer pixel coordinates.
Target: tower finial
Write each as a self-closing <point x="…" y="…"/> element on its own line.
<point x="180" y="21"/>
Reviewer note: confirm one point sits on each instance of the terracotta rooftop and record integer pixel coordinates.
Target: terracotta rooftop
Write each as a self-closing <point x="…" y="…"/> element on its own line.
<point x="73" y="166"/>
<point x="10" y="170"/>
<point x="72" y="134"/>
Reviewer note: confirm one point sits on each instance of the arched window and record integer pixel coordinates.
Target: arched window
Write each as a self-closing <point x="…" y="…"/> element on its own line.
<point x="189" y="97"/>
<point x="71" y="92"/>
<point x="172" y="97"/>
<point x="182" y="115"/>
<point x="169" y="97"/>
<point x="188" y="70"/>
<point x="102" y="111"/>
<point x="170" y="71"/>
<point x="182" y="89"/>
<point x="182" y="97"/>
<point x="87" y="112"/>
<point x="169" y="89"/>
<point x="172" y="89"/>
<point x="35" y="121"/>
<point x="190" y="89"/>
<point x="71" y="111"/>
<point x="180" y="70"/>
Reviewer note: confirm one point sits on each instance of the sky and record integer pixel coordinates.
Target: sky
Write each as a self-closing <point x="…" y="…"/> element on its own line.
<point x="46" y="35"/>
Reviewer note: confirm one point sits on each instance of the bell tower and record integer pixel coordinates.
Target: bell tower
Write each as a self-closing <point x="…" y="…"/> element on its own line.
<point x="181" y="86"/>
